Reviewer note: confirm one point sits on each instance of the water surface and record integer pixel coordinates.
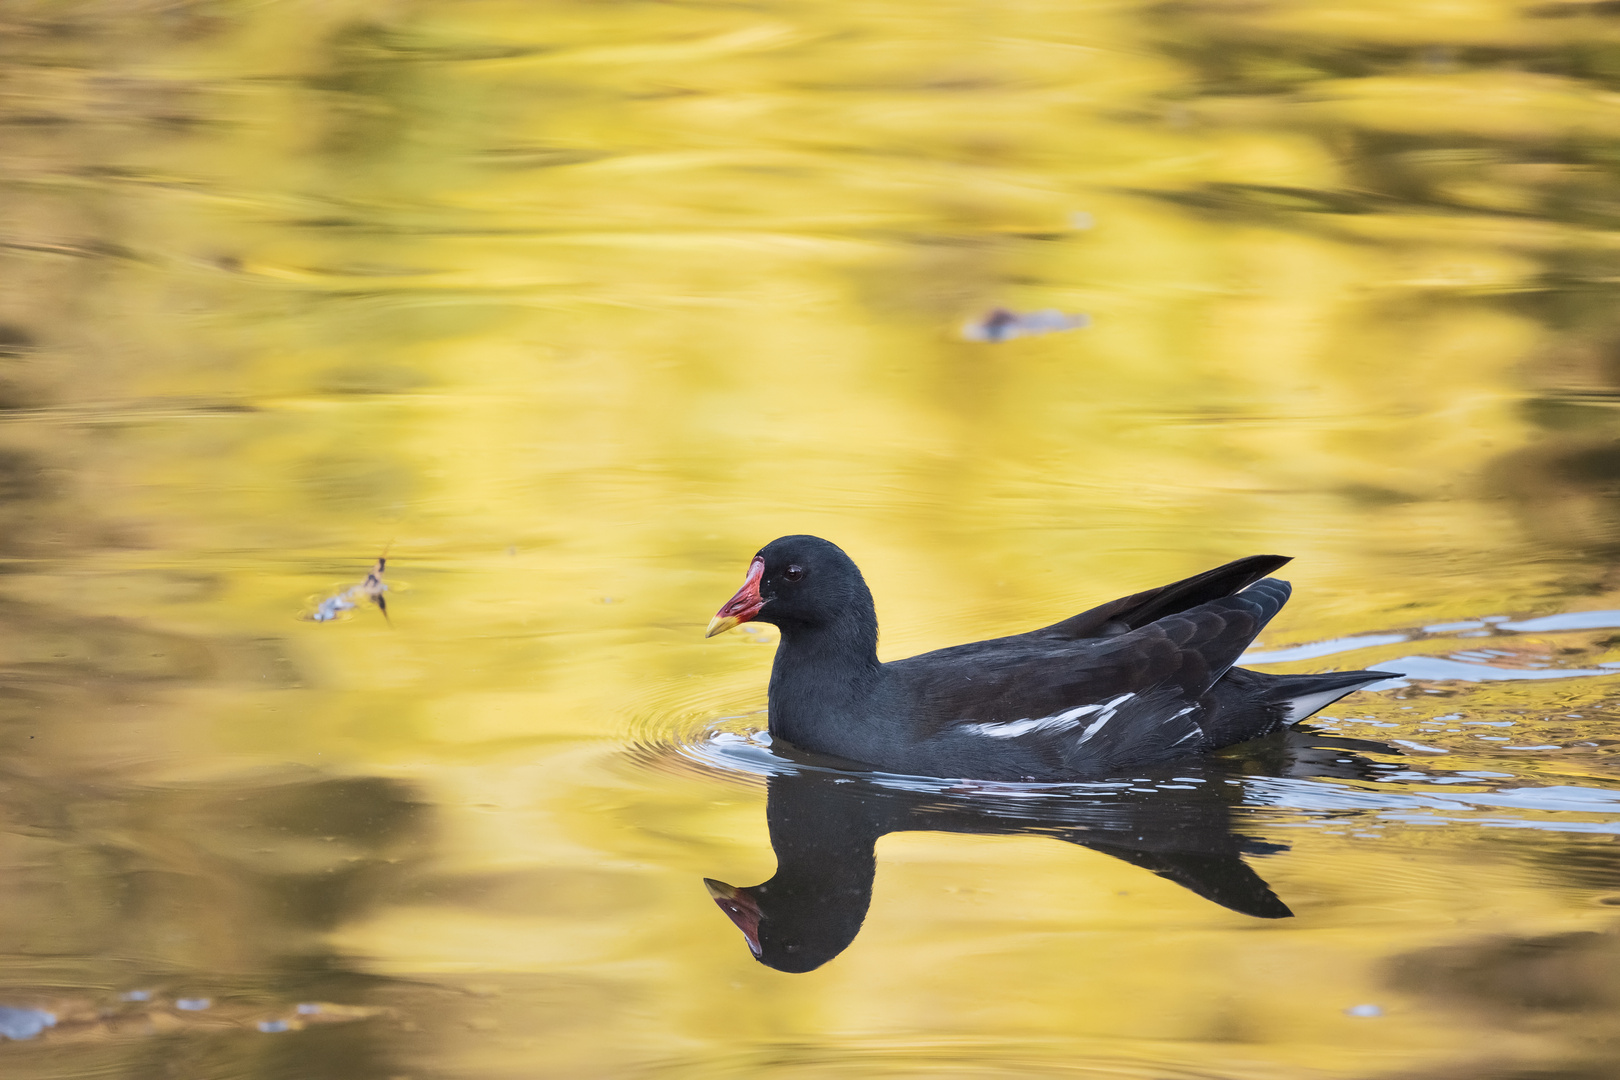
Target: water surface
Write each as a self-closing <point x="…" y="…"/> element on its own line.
<point x="566" y="309"/>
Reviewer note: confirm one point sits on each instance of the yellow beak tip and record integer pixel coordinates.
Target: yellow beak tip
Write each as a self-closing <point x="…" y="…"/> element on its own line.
<point x="717" y="625"/>
<point x="719" y="889"/>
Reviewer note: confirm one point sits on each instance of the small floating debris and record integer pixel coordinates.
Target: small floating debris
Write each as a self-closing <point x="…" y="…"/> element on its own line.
<point x="1002" y="324"/>
<point x="21" y="1024"/>
<point x="193" y="1004"/>
<point x="372" y="588"/>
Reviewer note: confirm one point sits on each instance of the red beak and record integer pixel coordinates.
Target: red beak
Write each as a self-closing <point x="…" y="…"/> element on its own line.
<point x="743" y="909"/>
<point x="742" y="607"/>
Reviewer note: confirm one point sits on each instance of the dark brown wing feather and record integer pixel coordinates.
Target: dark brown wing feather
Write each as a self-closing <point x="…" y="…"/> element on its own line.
<point x="1176" y="658"/>
<point x="1139" y="609"/>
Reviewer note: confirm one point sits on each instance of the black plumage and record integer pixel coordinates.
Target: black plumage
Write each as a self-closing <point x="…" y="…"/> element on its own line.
<point x="1141" y="680"/>
<point x="824" y="827"/>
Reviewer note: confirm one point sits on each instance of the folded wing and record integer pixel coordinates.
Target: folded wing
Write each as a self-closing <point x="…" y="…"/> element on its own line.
<point x="1139" y="609"/>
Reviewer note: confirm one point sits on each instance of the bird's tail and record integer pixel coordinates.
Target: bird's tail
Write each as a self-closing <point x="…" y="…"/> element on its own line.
<point x="1301" y="695"/>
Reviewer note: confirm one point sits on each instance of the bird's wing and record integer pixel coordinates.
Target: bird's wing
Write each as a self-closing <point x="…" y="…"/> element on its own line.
<point x="1044" y="683"/>
<point x="1139" y="609"/>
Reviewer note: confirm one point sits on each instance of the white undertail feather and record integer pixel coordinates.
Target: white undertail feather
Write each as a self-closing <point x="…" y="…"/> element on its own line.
<point x="1298" y="708"/>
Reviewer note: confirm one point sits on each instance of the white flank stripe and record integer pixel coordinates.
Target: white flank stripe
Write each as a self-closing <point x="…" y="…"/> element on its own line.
<point x="1107" y="714"/>
<point x="1013" y="728"/>
<point x="1196" y="731"/>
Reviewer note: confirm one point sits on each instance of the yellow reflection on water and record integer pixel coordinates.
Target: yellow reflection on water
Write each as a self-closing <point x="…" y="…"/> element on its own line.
<point x="570" y="308"/>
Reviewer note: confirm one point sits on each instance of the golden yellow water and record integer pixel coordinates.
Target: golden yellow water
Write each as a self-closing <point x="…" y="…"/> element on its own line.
<point x="570" y="307"/>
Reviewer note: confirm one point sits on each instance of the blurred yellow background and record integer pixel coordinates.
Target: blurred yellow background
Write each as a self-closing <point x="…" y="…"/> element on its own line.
<point x="570" y="307"/>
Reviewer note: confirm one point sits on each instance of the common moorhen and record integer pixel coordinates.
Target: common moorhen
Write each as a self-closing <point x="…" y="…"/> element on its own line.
<point x="1142" y="680"/>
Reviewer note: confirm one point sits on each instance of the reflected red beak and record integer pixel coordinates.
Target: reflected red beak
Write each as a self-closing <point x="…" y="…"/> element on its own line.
<point x="742" y="908"/>
<point x="742" y="607"/>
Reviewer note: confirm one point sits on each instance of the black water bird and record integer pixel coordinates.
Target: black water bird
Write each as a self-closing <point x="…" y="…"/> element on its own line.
<point x="1177" y="823"/>
<point x="1142" y="680"/>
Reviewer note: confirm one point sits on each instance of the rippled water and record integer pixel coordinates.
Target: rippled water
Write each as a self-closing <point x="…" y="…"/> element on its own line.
<point x="565" y="309"/>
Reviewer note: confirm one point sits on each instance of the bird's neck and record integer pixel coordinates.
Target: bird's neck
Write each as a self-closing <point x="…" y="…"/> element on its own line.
<point x="823" y="676"/>
<point x="823" y="833"/>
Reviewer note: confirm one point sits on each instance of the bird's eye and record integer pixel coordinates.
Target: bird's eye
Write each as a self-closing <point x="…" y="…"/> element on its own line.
<point x="794" y="572"/>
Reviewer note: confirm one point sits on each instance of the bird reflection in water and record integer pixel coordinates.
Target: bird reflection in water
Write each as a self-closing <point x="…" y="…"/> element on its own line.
<point x="1176" y="823"/>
